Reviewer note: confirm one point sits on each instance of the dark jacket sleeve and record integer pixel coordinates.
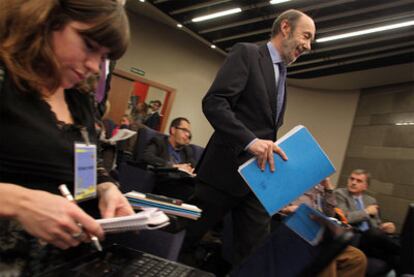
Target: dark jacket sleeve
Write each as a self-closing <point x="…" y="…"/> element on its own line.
<point x="222" y="97"/>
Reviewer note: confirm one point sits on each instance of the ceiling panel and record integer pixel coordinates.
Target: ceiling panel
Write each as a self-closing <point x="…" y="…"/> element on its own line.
<point x="332" y="17"/>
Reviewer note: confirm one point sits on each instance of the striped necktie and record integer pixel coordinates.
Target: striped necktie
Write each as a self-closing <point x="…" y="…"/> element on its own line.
<point x="280" y="90"/>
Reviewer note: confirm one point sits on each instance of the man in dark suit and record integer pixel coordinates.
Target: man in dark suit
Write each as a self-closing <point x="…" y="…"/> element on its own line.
<point x="153" y="120"/>
<point x="173" y="151"/>
<point x="245" y="105"/>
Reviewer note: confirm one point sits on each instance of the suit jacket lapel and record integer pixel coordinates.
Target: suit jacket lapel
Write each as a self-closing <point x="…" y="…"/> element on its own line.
<point x="269" y="76"/>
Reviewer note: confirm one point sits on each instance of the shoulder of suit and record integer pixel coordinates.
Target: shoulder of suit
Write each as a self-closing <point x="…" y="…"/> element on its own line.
<point x="341" y="191"/>
<point x="249" y="47"/>
<point x="158" y="138"/>
<point x="369" y="197"/>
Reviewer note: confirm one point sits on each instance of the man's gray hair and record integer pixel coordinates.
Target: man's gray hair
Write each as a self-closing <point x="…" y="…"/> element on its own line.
<point x="363" y="172"/>
<point x="292" y="16"/>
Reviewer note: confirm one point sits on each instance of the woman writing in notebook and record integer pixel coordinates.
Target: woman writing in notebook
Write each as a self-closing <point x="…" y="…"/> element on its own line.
<point x="48" y="49"/>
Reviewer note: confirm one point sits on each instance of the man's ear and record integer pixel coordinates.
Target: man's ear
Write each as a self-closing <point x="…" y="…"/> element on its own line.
<point x="172" y="131"/>
<point x="285" y="28"/>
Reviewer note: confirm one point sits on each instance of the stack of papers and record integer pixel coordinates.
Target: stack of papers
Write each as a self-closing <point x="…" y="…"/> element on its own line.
<point x="168" y="205"/>
<point x="147" y="219"/>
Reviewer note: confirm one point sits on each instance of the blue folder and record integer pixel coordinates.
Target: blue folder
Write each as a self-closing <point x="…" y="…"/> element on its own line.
<point x="302" y="224"/>
<point x="307" y="165"/>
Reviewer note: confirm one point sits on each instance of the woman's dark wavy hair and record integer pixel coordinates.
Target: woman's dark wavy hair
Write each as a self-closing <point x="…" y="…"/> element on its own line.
<point x="26" y="28"/>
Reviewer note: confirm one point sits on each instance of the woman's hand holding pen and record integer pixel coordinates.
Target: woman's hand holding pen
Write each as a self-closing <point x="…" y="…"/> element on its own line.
<point x="54" y="219"/>
<point x="111" y="201"/>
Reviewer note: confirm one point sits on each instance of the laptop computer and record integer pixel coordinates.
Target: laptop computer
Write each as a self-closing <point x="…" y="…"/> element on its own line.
<point x="118" y="260"/>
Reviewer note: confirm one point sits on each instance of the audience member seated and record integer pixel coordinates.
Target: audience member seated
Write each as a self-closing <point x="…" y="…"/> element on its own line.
<point x="352" y="261"/>
<point x="52" y="47"/>
<point x="362" y="212"/>
<point x="139" y="113"/>
<point x="153" y="120"/>
<point x="173" y="160"/>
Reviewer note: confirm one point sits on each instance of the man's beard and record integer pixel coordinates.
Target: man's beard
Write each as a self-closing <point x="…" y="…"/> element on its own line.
<point x="288" y="48"/>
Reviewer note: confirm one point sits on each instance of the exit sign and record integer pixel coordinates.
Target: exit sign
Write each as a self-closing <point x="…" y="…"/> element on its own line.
<point x="137" y="71"/>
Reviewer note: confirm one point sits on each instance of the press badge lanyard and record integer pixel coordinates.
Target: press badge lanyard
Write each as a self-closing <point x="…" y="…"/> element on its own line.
<point x="85" y="168"/>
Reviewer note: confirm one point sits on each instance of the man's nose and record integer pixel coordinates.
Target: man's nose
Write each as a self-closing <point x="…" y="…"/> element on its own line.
<point x="307" y="45"/>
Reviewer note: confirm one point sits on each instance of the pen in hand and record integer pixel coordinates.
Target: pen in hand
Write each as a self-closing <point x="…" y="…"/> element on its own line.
<point x="66" y="193"/>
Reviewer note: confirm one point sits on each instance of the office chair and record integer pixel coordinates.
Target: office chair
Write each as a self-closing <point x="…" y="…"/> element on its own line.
<point x="284" y="254"/>
<point x="144" y="135"/>
<point x="197" y="152"/>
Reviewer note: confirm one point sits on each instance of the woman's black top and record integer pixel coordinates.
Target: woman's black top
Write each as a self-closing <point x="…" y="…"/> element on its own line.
<point x="36" y="150"/>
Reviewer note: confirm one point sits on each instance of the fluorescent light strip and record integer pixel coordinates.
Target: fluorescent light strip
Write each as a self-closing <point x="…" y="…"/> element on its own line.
<point x="215" y="15"/>
<point x="404" y="123"/>
<point x="278" y="1"/>
<point x="367" y="31"/>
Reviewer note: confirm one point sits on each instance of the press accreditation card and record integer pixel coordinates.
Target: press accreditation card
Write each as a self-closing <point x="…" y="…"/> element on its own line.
<point x="85" y="171"/>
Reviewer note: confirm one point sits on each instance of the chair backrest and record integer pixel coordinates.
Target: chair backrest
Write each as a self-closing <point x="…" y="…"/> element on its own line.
<point x="197" y="152"/>
<point x="284" y="253"/>
<point x="133" y="177"/>
<point x="407" y="242"/>
<point x="144" y="135"/>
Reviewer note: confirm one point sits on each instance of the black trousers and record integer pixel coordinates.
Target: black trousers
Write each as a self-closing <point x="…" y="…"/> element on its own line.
<point x="376" y="243"/>
<point x="250" y="221"/>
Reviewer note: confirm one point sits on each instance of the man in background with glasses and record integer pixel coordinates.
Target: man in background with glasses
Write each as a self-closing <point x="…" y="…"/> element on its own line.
<point x="173" y="160"/>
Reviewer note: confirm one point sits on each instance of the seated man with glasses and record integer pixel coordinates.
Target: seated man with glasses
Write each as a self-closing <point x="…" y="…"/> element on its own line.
<point x="173" y="159"/>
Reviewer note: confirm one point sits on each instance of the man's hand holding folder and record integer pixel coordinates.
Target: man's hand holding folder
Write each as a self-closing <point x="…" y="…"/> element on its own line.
<point x="263" y="150"/>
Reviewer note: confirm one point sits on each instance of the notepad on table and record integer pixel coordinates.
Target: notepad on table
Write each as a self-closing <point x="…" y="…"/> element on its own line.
<point x="307" y="165"/>
<point x="166" y="204"/>
<point x="147" y="219"/>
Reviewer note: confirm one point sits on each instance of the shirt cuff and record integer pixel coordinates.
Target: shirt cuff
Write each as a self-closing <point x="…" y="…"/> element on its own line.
<point x="247" y="146"/>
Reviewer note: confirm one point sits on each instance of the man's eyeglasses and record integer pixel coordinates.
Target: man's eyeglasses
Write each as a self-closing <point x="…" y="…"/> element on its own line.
<point x="188" y="132"/>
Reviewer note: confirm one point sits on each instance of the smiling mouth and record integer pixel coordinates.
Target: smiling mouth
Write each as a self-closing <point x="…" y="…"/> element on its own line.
<point x="298" y="52"/>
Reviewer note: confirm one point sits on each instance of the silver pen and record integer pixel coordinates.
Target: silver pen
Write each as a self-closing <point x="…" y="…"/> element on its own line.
<point x="66" y="193"/>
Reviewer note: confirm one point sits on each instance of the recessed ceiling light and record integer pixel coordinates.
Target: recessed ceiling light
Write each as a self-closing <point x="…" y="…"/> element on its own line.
<point x="213" y="46"/>
<point x="278" y="1"/>
<point x="142" y="1"/>
<point x="215" y="15"/>
<point x="366" y="31"/>
<point x="179" y="25"/>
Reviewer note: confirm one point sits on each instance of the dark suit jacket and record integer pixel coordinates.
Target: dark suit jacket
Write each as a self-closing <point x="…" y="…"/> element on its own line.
<point x="241" y="106"/>
<point x="346" y="203"/>
<point x="156" y="153"/>
<point x="153" y="121"/>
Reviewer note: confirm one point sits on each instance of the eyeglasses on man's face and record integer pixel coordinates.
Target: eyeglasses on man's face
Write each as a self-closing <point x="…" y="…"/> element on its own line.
<point x="185" y="130"/>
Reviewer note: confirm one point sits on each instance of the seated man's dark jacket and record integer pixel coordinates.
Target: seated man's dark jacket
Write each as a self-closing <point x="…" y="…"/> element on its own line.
<point x="174" y="183"/>
<point x="156" y="153"/>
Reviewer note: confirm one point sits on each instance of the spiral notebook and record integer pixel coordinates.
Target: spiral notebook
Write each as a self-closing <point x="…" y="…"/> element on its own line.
<point x="166" y="204"/>
<point x="147" y="219"/>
